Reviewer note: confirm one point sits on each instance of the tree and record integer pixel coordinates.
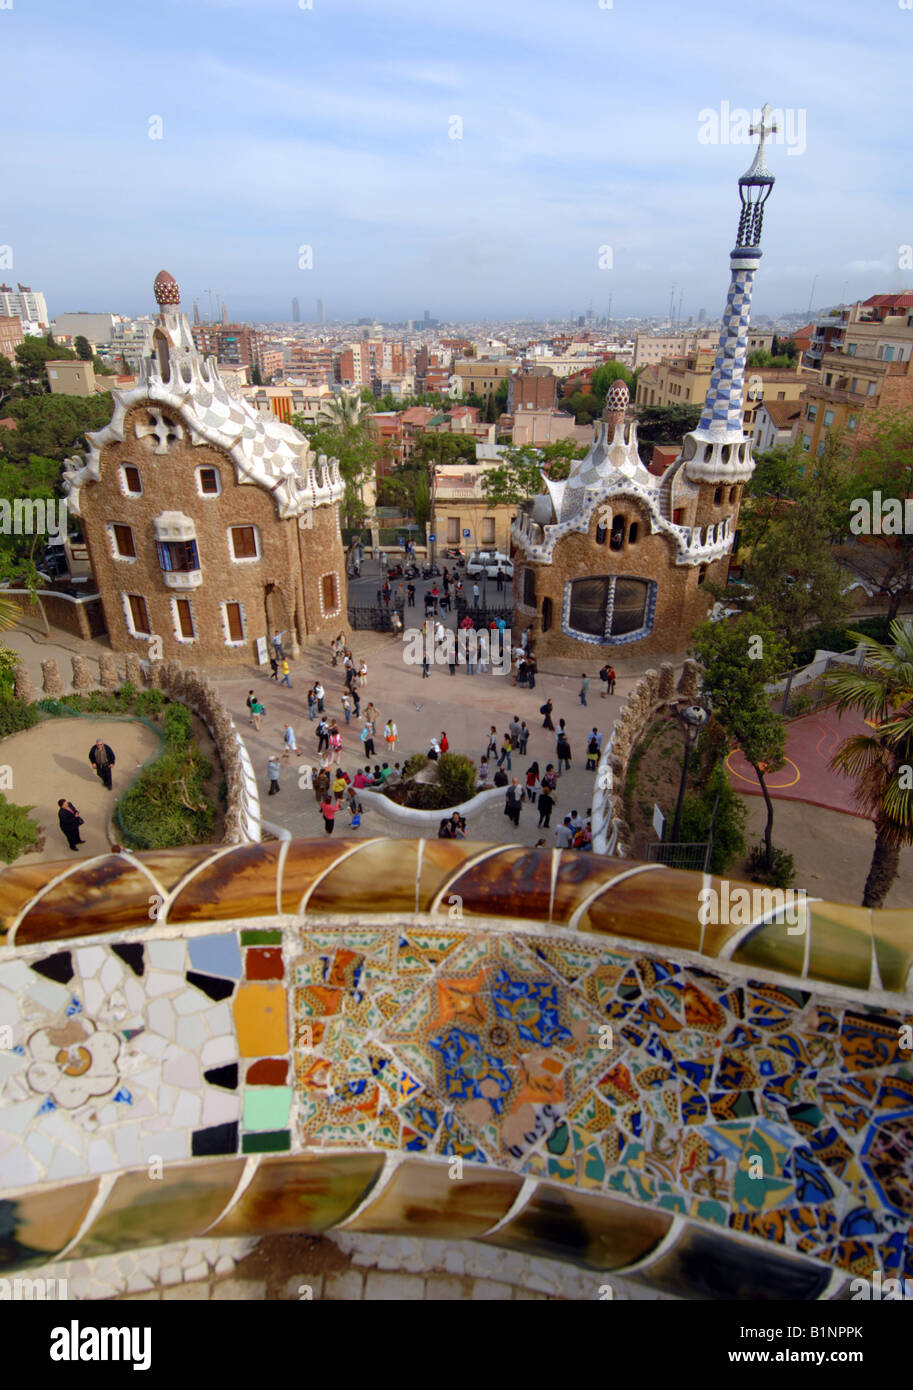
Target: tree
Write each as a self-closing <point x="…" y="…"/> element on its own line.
<point x="881" y="761"/>
<point x="518" y="477"/>
<point x="357" y="450"/>
<point x="17" y="832"/>
<point x="605" y="376"/>
<point x="31" y="359"/>
<point x="761" y="358"/>
<point x="9" y="378"/>
<point x="256" y="376"/>
<point x="883" y="463"/>
<point x="346" y="412"/>
<point x="666" y="424"/>
<point x="738" y="660"/>
<point x="52" y="426"/>
<point x="83" y="348"/>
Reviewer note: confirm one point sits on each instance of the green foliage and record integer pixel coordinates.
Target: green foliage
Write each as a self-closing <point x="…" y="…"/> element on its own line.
<point x="666" y="424"/>
<point x="343" y="431"/>
<point x="9" y="660"/>
<point x="102" y="702"/>
<point x="167" y="804"/>
<point x="149" y="703"/>
<point x="52" y="427"/>
<point x="762" y="358"/>
<point x="781" y="871"/>
<point x="728" y="824"/>
<point x="83" y="348"/>
<point x="31" y="357"/>
<point x="456" y="778"/>
<point x="17" y="832"/>
<point x="177" y="727"/>
<point x="882" y="462"/>
<point x="414" y="764"/>
<point x="16" y="715"/>
<point x="835" y="637"/>
<point x="127" y="694"/>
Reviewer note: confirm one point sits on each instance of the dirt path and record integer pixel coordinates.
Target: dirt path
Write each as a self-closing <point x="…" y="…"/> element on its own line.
<point x="52" y="760"/>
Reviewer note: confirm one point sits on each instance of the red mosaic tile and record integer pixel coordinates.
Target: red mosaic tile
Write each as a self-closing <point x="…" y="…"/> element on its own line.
<point x="264" y="963"/>
<point x="270" y="1071"/>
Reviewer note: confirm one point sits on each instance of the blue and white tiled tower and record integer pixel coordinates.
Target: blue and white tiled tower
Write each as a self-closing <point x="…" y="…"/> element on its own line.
<point x="718" y="450"/>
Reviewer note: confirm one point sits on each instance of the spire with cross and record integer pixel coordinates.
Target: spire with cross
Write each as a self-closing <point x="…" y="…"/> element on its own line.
<point x="755" y="184"/>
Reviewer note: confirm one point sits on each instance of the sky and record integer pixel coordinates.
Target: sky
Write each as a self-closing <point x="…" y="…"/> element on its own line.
<point x="484" y="160"/>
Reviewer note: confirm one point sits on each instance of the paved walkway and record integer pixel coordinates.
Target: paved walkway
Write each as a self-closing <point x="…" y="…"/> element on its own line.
<point x="810" y="744"/>
<point x="52" y="760"/>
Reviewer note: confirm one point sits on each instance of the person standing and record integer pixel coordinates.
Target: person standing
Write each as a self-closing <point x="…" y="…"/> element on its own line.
<point x="546" y="709"/>
<point x="425" y="671"/>
<point x="286" y="674"/>
<point x="367" y="738"/>
<point x="491" y="749"/>
<point x="272" y="769"/>
<point x="592" y="752"/>
<point x="102" y="759"/>
<point x="584" y="688"/>
<point x="506" y="750"/>
<point x="410" y="591"/>
<point x="549" y="778"/>
<point x="356" y="701"/>
<point x="257" y="712"/>
<point x="277" y="646"/>
<point x="564" y="834"/>
<point x="328" y="811"/>
<point x="513" y="729"/>
<point x="291" y="744"/>
<point x="499" y="580"/>
<point x="335" y="742"/>
<point x="563" y="750"/>
<point x="545" y="805"/>
<point x="319" y="696"/>
<point x="323" y="736"/>
<point x="273" y="668"/>
<point x="312" y="705"/>
<point x="531" y="669"/>
<point x="346" y="708"/>
<point x="476" y="595"/>
<point x="611" y="680"/>
<point x="523" y="738"/>
<point x="532" y="782"/>
<point x="391" y="733"/>
<point x="363" y="675"/>
<point x="69" y="820"/>
<point x="604" y="677"/>
<point x="514" y="801"/>
<point x="445" y="742"/>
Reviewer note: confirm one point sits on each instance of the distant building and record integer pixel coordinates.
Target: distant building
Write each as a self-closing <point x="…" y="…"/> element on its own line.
<point x="71" y="378"/>
<point x="458" y="504"/>
<point x="233" y="343"/>
<point x="652" y="348"/>
<point x="28" y="305"/>
<point x="366" y="363"/>
<point x="775" y="425"/>
<point x="320" y="311"/>
<point x="481" y="378"/>
<point x="96" y="328"/>
<point x="11" y="335"/>
<point x="207" y="526"/>
<point x="296" y="311"/>
<point x="532" y="388"/>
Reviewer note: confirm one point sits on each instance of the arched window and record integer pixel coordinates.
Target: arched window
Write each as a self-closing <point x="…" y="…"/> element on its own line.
<point x="633" y="531"/>
<point x="529" y="588"/>
<point x="732" y="493"/>
<point x="546" y="614"/>
<point x="610" y="607"/>
<point x="616" y="541"/>
<point x="600" y="534"/>
<point x="717" y="496"/>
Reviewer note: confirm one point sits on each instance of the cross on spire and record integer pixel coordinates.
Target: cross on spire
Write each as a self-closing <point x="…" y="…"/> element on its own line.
<point x="763" y="129"/>
<point x="759" y="165"/>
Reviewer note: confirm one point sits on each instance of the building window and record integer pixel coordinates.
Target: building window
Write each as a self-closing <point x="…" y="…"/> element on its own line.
<point x="133" y="485"/>
<point x="677" y="516"/>
<point x="177" y="556"/>
<point x="617" y="536"/>
<point x="633" y="532"/>
<point x="806" y="441"/>
<point x="122" y="536"/>
<point x="546" y="614"/>
<point x="811" y="412"/>
<point x="601" y="533"/>
<point x="453" y="530"/>
<point x="233" y="618"/>
<point x="244" y="542"/>
<point x="872" y="388"/>
<point x="702" y="573"/>
<point x="529" y="588"/>
<point x="732" y="492"/>
<point x="138" y="615"/>
<point x="329" y="594"/>
<point x="183" y="619"/>
<point x="209" y="482"/>
<point x="851" y="422"/>
<point x="828" y="419"/>
<point x="851" y="350"/>
<point x="610" y="608"/>
<point x="488" y="530"/>
<point x="820" y="450"/>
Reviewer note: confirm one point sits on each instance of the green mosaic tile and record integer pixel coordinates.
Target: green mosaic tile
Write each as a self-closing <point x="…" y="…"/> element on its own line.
<point x="261" y="938"/>
<point x="266" y="1107"/>
<point x="278" y="1141"/>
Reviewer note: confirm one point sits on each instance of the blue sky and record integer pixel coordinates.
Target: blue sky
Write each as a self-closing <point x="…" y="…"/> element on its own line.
<point x="330" y="127"/>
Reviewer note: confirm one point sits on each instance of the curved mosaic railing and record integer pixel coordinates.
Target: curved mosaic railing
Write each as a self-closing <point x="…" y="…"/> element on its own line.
<point x="542" y="1050"/>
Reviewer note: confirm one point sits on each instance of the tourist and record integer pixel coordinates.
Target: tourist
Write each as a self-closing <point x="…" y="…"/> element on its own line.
<point x="546" y="709"/>
<point x="584" y="688"/>
<point x="363" y="675"/>
<point x="319" y="696"/>
<point x="514" y="801"/>
<point x="445" y="829"/>
<point x="506" y="750"/>
<point x="328" y="811"/>
<point x="362" y="778"/>
<point x="322" y="785"/>
<point x="335" y="741"/>
<point x="425" y="670"/>
<point x="312" y="705"/>
<point x="391" y="734"/>
<point x="277" y="646"/>
<point x="604" y="677"/>
<point x="323" y="735"/>
<point x="385" y="772"/>
<point x="575" y="822"/>
<point x="445" y="742"/>
<point x="483" y="771"/>
<point x="434" y="749"/>
<point x="521" y="672"/>
<point x="550" y="777"/>
<point x="592" y="752"/>
<point x="396" y="624"/>
<point x="545" y="805"/>
<point x="476" y="595"/>
<point x="291" y="745"/>
<point x="346" y="707"/>
<point x="457" y="826"/>
<point x="563" y="750"/>
<point x="286" y="674"/>
<point x="564" y="835"/>
<point x="257" y="712"/>
<point x="523" y="738"/>
<point x="249" y="702"/>
<point x="492" y="749"/>
<point x="611" y="680"/>
<point x="532" y="782"/>
<point x="69" y="820"/>
<point x="499" y="580"/>
<point x="102" y="759"/>
<point x="410" y="591"/>
<point x="531" y="669"/>
<point x="356" y="701"/>
<point x="500" y="778"/>
<point x="371" y="712"/>
<point x="273" y="669"/>
<point x="340" y="782"/>
<point x="367" y="738"/>
<point x="272" y="768"/>
<point x="541" y="844"/>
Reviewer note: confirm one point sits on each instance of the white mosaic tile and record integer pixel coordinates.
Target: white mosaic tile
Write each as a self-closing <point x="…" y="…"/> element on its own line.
<point x="161" y="1018"/>
<point x="167" y="955"/>
<point x="49" y="994"/>
<point x="15" y="975"/>
<point x="89" y="960"/>
<point x="150" y="1044"/>
<point x="65" y="1164"/>
<point x="159" y="982"/>
<point x="192" y="1033"/>
<point x="220" y="1107"/>
<point x="217" y="1050"/>
<point x="102" y="1158"/>
<point x="220" y="1019"/>
<point x="192" y="1001"/>
<point x="112" y="973"/>
<point x="126" y="1142"/>
<point x="187" y="1110"/>
<point x="18" y="1116"/>
<point x="17" y="1168"/>
<point x="182" y="1071"/>
<point x="40" y="1147"/>
<point x="93" y="996"/>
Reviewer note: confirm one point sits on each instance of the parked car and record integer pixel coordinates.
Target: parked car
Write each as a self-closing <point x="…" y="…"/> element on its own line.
<point x="488" y="562"/>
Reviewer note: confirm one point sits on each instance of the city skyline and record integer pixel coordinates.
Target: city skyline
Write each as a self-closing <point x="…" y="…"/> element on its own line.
<point x="488" y="182"/>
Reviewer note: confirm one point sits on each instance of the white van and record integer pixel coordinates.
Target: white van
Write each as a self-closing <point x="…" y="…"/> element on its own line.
<point x="488" y="562"/>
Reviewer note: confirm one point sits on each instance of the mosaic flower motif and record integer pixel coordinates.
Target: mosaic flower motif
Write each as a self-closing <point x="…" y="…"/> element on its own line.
<point x="73" y="1063"/>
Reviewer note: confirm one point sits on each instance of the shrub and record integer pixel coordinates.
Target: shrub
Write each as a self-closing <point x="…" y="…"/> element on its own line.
<point x="456" y="778"/>
<point x="780" y="875"/>
<point x="167" y="804"/>
<point x="101" y="702"/>
<point x="16" y="715"/>
<point x="414" y="764"/>
<point x="149" y="703"/>
<point x="177" y="726"/>
<point x="9" y="660"/>
<point x="728" y="825"/>
<point x="17" y="832"/>
<point x="126" y="695"/>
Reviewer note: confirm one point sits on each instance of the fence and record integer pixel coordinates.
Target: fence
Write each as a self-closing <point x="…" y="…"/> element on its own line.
<point x="374" y="617"/>
<point x="483" y="616"/>
<point x="803" y="690"/>
<point x="681" y="855"/>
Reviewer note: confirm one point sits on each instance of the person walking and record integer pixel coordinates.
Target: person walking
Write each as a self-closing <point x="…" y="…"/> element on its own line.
<point x="102" y="759"/>
<point x="291" y="744"/>
<point x="549" y="778"/>
<point x="531" y="669"/>
<point x="328" y="811"/>
<point x="312" y="705"/>
<point x="277" y="646"/>
<point x="335" y="742"/>
<point x="592" y="752"/>
<point x="286" y="674"/>
<point x="445" y="742"/>
<point x="323" y="736"/>
<point x="604" y="677"/>
<point x="491" y="750"/>
<point x="249" y="702"/>
<point x="499" y="580"/>
<point x="532" y="782"/>
<point x="506" y="750"/>
<point x="563" y="749"/>
<point x="476" y="595"/>
<point x="513" y="729"/>
<point x="319" y="696"/>
<point x="425" y="670"/>
<point x="514" y="801"/>
<point x="546" y="709"/>
<point x="545" y="805"/>
<point x="584" y="688"/>
<point x="69" y="820"/>
<point x="523" y="738"/>
<point x="611" y="680"/>
<point x="272" y="770"/>
<point x="346" y="707"/>
<point x="356" y="702"/>
<point x="257" y="712"/>
<point x="410" y="591"/>
<point x="391" y="734"/>
<point x="367" y="738"/>
<point x="273" y="669"/>
<point x="362" y="675"/>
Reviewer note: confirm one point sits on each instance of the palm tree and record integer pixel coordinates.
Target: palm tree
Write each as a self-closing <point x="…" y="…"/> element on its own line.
<point x="10" y="613"/>
<point x="345" y="412"/>
<point x="881" y="762"/>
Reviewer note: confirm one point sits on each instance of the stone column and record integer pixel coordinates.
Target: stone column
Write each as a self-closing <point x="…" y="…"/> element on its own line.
<point x="52" y="684"/>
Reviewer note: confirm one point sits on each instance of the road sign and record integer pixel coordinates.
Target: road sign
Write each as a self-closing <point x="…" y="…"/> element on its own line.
<point x="432" y="537"/>
<point x="659" y="821"/>
<point x="399" y="540"/>
<point x="466" y="535"/>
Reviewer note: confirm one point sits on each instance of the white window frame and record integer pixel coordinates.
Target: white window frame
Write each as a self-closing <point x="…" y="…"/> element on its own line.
<point x="332" y="612"/>
<point x="244" y="559"/>
<point x="128" y="492"/>
<point x="176" y="622"/>
<point x="128" y="614"/>
<point x="226" y="630"/>
<point x="211" y="467"/>
<point x="112" y="541"/>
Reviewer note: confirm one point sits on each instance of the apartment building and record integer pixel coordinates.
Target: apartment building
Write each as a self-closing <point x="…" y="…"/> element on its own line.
<point x="11" y="335"/>
<point x="458" y="505"/>
<point x="652" y="348"/>
<point x="95" y="328"/>
<point x="532" y="388"/>
<point x="367" y="363"/>
<point x="684" y="381"/>
<point x="25" y="304"/>
<point x="775" y="425"/>
<point x="233" y="343"/>
<point x="481" y="377"/>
